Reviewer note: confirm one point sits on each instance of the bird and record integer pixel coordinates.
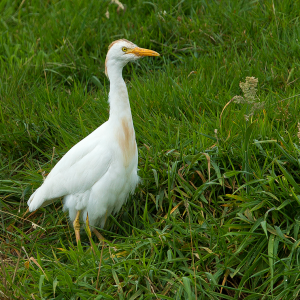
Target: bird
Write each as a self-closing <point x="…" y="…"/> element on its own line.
<point x="96" y="176"/>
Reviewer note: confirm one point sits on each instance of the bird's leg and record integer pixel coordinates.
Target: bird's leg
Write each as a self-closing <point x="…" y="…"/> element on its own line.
<point x="88" y="231"/>
<point x="98" y="234"/>
<point x="76" y="226"/>
<point x="87" y="225"/>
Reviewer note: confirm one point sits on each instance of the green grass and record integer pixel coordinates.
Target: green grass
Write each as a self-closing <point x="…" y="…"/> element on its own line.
<point x="198" y="226"/>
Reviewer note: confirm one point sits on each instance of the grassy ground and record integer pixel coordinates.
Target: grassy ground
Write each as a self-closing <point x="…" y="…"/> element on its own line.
<point x="217" y="215"/>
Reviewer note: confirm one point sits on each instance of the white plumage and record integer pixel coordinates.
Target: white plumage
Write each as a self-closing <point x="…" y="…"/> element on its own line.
<point x="96" y="176"/>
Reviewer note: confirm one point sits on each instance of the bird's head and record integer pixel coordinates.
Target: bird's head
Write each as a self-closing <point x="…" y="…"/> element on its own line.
<point x="121" y="52"/>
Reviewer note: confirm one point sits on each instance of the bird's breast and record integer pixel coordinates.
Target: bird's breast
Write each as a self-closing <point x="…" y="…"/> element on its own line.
<point x="126" y="140"/>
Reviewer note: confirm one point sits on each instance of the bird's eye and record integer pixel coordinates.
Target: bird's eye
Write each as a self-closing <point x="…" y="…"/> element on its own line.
<point x="124" y="49"/>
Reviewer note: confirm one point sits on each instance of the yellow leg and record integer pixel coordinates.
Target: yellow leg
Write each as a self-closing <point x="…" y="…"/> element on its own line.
<point x="88" y="230"/>
<point x="76" y="225"/>
<point x="98" y="234"/>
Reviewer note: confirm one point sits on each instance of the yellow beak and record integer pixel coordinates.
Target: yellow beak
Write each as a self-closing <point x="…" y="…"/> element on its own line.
<point x="142" y="52"/>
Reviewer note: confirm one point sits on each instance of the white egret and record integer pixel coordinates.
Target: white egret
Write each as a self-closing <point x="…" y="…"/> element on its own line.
<point x="96" y="175"/>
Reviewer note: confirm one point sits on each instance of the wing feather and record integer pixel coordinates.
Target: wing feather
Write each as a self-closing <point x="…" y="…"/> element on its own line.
<point x="77" y="171"/>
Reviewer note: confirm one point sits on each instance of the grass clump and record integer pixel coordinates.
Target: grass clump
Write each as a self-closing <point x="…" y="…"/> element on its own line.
<point x="217" y="215"/>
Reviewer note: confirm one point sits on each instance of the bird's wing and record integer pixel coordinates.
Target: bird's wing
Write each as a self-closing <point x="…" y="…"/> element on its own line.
<point x="78" y="170"/>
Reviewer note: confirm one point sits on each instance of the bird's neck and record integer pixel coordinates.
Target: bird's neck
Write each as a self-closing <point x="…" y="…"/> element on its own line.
<point x="118" y="95"/>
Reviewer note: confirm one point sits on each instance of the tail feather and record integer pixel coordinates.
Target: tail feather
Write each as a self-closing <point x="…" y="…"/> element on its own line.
<point x="37" y="200"/>
<point x="29" y="202"/>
